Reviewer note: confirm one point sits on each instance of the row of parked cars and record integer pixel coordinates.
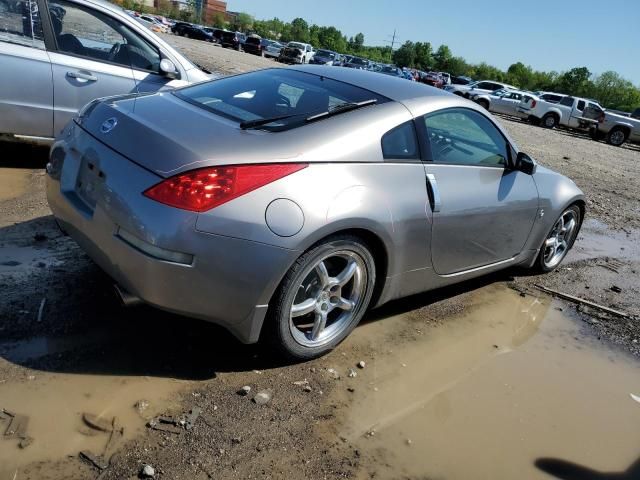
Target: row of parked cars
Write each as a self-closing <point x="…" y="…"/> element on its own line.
<point x="550" y="109"/>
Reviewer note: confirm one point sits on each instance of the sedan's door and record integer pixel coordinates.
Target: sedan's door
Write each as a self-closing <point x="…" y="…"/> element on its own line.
<point x="90" y="60"/>
<point x="510" y="102"/>
<point x="483" y="211"/>
<point x="26" y="90"/>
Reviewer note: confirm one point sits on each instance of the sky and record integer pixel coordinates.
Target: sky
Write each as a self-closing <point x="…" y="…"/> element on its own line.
<point x="548" y="35"/>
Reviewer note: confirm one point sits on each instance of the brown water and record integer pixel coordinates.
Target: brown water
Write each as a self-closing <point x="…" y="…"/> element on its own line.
<point x="487" y="394"/>
<point x="55" y="404"/>
<point x="13" y="182"/>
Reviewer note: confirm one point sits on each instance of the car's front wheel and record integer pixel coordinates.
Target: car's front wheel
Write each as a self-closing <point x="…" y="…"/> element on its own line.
<point x="559" y="240"/>
<point x="322" y="298"/>
<point x="616" y="136"/>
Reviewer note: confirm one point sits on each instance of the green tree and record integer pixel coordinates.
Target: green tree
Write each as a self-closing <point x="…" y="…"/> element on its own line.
<point x="424" y="55"/>
<point x="442" y="58"/>
<point x="405" y="56"/>
<point x="575" y="82"/>
<point x="243" y="22"/>
<point x="520" y="75"/>
<point x="299" y="30"/>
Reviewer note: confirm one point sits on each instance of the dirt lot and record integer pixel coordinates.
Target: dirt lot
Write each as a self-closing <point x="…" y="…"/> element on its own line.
<point x="475" y="381"/>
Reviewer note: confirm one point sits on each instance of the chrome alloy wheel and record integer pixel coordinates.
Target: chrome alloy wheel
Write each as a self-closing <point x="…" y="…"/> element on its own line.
<point x="328" y="298"/>
<point x="617" y="138"/>
<point x="559" y="240"/>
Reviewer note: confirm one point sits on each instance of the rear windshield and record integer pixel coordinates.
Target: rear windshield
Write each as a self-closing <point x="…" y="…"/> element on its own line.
<point x="325" y="53"/>
<point x="274" y="93"/>
<point x="253" y="41"/>
<point x="228" y="34"/>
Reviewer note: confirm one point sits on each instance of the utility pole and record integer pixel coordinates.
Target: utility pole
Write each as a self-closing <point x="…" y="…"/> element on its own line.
<point x="392" y="42"/>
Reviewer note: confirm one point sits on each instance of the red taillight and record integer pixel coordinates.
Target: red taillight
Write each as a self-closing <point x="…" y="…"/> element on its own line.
<point x="533" y="103"/>
<point x="207" y="188"/>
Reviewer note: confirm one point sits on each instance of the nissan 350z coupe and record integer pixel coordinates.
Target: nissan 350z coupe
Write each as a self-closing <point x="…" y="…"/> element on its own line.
<point x="284" y="203"/>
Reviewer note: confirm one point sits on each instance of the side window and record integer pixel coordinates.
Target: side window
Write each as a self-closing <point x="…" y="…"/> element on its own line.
<point x="581" y="105"/>
<point x="484" y="86"/>
<point x="461" y="136"/>
<point x="567" y="101"/>
<point x="20" y="23"/>
<point x="401" y="143"/>
<point x="91" y="34"/>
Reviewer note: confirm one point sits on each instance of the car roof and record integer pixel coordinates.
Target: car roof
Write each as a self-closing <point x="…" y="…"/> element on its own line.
<point x="394" y="88"/>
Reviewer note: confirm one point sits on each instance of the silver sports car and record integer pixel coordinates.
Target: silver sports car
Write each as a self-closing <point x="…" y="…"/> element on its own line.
<point x="284" y="203"/>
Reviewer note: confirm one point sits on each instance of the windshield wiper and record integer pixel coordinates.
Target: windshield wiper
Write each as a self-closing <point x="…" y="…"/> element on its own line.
<point x="259" y="122"/>
<point x="343" y="107"/>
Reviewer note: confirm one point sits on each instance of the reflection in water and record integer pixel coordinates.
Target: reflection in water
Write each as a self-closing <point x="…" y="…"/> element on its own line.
<point x="484" y="395"/>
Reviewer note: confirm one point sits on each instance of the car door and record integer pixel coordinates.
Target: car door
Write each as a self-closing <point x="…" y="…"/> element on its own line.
<point x="510" y="102"/>
<point x="483" y="210"/>
<point x="88" y="60"/>
<point x="26" y="93"/>
<point x="577" y="112"/>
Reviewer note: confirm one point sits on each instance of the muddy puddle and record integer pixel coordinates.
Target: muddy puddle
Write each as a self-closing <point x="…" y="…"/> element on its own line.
<point x="487" y="395"/>
<point x="13" y="182"/>
<point x="55" y="404"/>
<point x="596" y="239"/>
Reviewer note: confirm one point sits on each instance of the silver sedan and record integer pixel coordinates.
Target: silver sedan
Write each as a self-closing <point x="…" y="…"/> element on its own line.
<point x="284" y="203"/>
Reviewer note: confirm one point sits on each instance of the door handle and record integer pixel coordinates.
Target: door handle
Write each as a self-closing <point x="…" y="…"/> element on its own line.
<point x="82" y="76"/>
<point x="434" y="193"/>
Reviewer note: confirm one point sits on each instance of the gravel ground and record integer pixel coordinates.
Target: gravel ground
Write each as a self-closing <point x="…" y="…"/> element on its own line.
<point x="292" y="436"/>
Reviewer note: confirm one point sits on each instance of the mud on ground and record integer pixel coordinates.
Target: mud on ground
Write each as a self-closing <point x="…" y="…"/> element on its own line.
<point x="81" y="351"/>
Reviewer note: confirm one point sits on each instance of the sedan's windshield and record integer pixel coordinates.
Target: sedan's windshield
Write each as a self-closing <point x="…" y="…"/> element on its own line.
<point x="325" y="53"/>
<point x="274" y="93"/>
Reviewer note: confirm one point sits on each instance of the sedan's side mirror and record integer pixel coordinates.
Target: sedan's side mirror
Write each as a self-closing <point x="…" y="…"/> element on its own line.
<point x="525" y="164"/>
<point x="168" y="69"/>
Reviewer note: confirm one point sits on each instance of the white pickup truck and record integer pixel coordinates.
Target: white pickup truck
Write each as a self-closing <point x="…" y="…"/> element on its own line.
<point x="617" y="129"/>
<point x="568" y="112"/>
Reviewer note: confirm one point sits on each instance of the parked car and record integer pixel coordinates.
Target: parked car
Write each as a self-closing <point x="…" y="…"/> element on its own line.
<point x="434" y="79"/>
<point x="476" y="88"/>
<point x="289" y="238"/>
<point x="569" y="112"/>
<point x="446" y="78"/>
<point x="154" y="24"/>
<point x="617" y="129"/>
<point x="233" y="40"/>
<point x="102" y="51"/>
<point x="503" y="101"/>
<point x="273" y="49"/>
<point x="357" y="63"/>
<point x="254" y="45"/>
<point x="550" y="97"/>
<point x="392" y="70"/>
<point x="461" y="80"/>
<point x="296" y="52"/>
<point x="196" y="32"/>
<point x="326" y="57"/>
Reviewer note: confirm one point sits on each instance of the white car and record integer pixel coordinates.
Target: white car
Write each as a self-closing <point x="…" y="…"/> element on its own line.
<point x="503" y="101"/>
<point x="569" y="112"/>
<point x="296" y="52"/>
<point x="273" y="49"/>
<point x="153" y="24"/>
<point x="81" y="50"/>
<point x="477" y="88"/>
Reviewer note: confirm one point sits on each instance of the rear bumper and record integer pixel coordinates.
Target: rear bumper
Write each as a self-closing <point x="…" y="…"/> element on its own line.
<point x="225" y="280"/>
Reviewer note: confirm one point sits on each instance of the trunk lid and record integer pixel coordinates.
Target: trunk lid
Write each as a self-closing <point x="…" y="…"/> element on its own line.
<point x="166" y="135"/>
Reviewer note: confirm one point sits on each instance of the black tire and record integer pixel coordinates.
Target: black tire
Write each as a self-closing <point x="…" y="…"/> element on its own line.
<point x="549" y="120"/>
<point x="483" y="103"/>
<point x="617" y="136"/>
<point x="540" y="266"/>
<point x="277" y="331"/>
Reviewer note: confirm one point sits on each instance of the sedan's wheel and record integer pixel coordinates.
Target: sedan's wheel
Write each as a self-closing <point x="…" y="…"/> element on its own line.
<point x="549" y="121"/>
<point x="322" y="298"/>
<point x="559" y="240"/>
<point x="616" y="136"/>
<point x="483" y="103"/>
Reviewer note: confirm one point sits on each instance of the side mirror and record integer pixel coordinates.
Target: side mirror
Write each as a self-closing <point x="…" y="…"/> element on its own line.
<point x="525" y="164"/>
<point x="168" y="69"/>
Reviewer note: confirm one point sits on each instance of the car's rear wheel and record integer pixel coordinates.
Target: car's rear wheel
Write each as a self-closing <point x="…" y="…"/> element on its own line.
<point x="322" y="298"/>
<point x="559" y="240"/>
<point x="549" y="121"/>
<point x="483" y="103"/>
<point x="616" y="136"/>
